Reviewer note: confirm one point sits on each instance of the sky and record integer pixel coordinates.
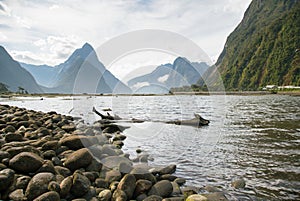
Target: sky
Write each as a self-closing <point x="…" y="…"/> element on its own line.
<point x="48" y="31"/>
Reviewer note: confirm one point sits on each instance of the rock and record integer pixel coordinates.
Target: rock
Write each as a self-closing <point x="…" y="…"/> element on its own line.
<point x="168" y="177"/>
<point x="113" y="175"/>
<point x="81" y="185"/>
<point x="125" y="168"/>
<point x="15" y="150"/>
<point x="239" y="183"/>
<point x="94" y="166"/>
<point x="49" y="196"/>
<point x="75" y="142"/>
<point x="9" y="128"/>
<point x="196" y="197"/>
<point x="153" y="198"/>
<point x="180" y="181"/>
<point x="65" y="172"/>
<point x="6" y="178"/>
<point x="170" y="169"/>
<point x="91" y="175"/>
<point x="101" y="183"/>
<point x="54" y="186"/>
<point x="141" y="197"/>
<point x="189" y="190"/>
<point x="113" y="186"/>
<point x="47" y="167"/>
<point x="127" y="184"/>
<point x="79" y="159"/>
<point x="142" y="186"/>
<point x="176" y="189"/>
<point x="211" y="189"/>
<point x="114" y="161"/>
<point x="49" y="154"/>
<point x="69" y="128"/>
<point x="179" y="198"/>
<point x="105" y="195"/>
<point x="22" y="182"/>
<point x="143" y="173"/>
<point x="119" y="195"/>
<point x="217" y="196"/>
<point x="11" y="137"/>
<point x="65" y="186"/>
<point x="107" y="149"/>
<point x="3" y="155"/>
<point x="162" y="188"/>
<point x="17" y="195"/>
<point x="50" y="145"/>
<point x="26" y="162"/>
<point x="38" y="185"/>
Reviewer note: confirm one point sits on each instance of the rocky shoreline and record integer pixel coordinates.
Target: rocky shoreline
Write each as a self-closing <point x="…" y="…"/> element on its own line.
<point x="49" y="156"/>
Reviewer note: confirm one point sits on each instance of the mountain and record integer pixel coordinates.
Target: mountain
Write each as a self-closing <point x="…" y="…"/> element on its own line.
<point x="181" y="73"/>
<point x="43" y="74"/>
<point x="263" y="49"/>
<point x="82" y="72"/>
<point x="14" y="76"/>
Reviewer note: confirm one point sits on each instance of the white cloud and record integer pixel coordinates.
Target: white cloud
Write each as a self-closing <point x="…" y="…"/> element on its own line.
<point x="51" y="28"/>
<point x="140" y="85"/>
<point x="163" y="79"/>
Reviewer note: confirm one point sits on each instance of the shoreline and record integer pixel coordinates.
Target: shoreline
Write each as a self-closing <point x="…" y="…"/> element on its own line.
<point x="203" y="93"/>
<point x="52" y="156"/>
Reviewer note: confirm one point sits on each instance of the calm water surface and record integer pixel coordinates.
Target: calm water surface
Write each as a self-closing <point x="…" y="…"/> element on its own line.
<point x="252" y="137"/>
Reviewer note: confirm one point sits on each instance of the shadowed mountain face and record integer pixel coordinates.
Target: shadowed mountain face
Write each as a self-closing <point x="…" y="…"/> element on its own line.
<point x="82" y="72"/>
<point x="14" y="76"/>
<point x="181" y="73"/>
<point x="262" y="50"/>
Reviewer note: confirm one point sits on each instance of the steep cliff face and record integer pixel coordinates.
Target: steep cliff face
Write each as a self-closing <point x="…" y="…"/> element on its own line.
<point x="263" y="49"/>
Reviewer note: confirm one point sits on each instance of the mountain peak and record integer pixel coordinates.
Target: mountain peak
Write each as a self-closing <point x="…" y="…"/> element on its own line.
<point x="87" y="47"/>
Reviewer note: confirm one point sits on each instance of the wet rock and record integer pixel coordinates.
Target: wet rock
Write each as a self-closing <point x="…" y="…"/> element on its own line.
<point x="142" y="187"/>
<point x="81" y="185"/>
<point x="162" y="188"/>
<point x="217" y="196"/>
<point x="65" y="186"/>
<point x="105" y="195"/>
<point x="143" y="173"/>
<point x="127" y="184"/>
<point x="6" y="178"/>
<point x="176" y="189"/>
<point x="113" y="175"/>
<point x="125" y="168"/>
<point x="180" y="181"/>
<point x="79" y="159"/>
<point x="170" y="169"/>
<point x="189" y="190"/>
<point x="49" y="196"/>
<point x="239" y="183"/>
<point x="38" y="185"/>
<point x="168" y="177"/>
<point x="196" y="197"/>
<point x="11" y="137"/>
<point x="22" y="182"/>
<point x="26" y="162"/>
<point x="119" y="195"/>
<point x="153" y="198"/>
<point x="17" y="195"/>
<point x="179" y="198"/>
<point x="114" y="161"/>
<point x="211" y="189"/>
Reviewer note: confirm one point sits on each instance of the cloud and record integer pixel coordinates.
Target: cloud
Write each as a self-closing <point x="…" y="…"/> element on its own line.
<point x="49" y="25"/>
<point x="163" y="79"/>
<point x="140" y="85"/>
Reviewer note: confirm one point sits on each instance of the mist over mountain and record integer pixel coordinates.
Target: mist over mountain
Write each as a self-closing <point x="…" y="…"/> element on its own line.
<point x="181" y="73"/>
<point x="262" y="50"/>
<point x="14" y="76"/>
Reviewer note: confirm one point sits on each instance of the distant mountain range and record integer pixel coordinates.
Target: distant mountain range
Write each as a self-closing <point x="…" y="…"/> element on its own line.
<point x="263" y="49"/>
<point x="181" y="73"/>
<point x="82" y="72"/>
<point x="14" y="76"/>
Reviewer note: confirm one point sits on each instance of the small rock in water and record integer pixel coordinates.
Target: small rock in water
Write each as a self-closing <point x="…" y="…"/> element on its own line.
<point x="239" y="183"/>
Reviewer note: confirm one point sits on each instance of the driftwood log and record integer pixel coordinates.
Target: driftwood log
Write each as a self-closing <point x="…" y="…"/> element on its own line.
<point x="197" y="121"/>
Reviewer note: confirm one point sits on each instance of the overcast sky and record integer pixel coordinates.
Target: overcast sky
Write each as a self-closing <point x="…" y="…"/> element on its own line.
<point x="48" y="31"/>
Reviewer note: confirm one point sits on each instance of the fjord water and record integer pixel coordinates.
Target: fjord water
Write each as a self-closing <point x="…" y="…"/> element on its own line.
<point x="256" y="138"/>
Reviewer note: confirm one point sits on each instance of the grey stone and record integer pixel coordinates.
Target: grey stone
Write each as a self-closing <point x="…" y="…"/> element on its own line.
<point x="162" y="188"/>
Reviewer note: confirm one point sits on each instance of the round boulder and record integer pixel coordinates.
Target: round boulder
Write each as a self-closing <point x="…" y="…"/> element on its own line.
<point x="78" y="159"/>
<point x="26" y="162"/>
<point x="163" y="188"/>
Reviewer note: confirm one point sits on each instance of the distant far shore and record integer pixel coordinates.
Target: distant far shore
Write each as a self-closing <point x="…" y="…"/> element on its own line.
<point x="203" y="93"/>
